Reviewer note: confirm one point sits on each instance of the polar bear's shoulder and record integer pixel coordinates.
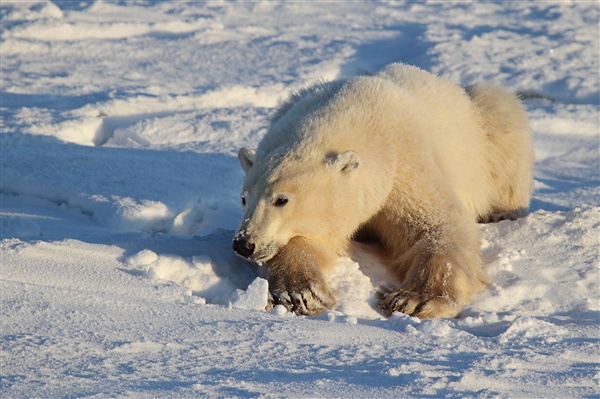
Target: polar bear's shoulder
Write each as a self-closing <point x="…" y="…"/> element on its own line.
<point x="307" y="99"/>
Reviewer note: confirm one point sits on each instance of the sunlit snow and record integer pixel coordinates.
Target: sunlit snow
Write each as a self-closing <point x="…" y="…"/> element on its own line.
<point x="120" y="191"/>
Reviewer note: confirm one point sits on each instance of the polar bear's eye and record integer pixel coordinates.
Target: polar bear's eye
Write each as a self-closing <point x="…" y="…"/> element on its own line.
<point x="280" y="201"/>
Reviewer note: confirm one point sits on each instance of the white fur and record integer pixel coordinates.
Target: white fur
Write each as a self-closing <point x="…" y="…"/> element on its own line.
<point x="406" y="156"/>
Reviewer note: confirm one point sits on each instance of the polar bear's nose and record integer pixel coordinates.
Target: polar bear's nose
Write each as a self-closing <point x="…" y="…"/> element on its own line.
<point x="242" y="247"/>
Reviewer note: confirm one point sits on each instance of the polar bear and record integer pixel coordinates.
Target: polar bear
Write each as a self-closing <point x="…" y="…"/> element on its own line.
<point x="401" y="158"/>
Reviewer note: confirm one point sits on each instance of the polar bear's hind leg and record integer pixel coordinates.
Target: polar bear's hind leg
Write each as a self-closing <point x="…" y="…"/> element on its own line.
<point x="509" y="147"/>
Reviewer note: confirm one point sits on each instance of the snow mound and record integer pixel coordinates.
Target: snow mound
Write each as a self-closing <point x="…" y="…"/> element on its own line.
<point x="198" y="277"/>
<point x="255" y="297"/>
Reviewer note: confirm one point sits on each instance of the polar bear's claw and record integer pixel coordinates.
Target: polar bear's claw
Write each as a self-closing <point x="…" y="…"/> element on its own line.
<point x="421" y="305"/>
<point x="306" y="301"/>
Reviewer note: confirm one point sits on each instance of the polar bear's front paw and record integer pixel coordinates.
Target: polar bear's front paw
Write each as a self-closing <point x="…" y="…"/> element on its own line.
<point x="311" y="299"/>
<point x="421" y="305"/>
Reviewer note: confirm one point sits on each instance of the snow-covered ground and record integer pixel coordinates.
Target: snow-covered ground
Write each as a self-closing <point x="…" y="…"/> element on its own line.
<point x="120" y="192"/>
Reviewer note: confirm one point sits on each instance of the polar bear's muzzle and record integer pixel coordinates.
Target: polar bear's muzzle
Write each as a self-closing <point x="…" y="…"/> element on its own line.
<point x="243" y="247"/>
<point x="248" y="250"/>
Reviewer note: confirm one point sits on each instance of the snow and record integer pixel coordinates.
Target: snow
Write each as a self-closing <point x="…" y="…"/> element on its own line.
<point x="120" y="194"/>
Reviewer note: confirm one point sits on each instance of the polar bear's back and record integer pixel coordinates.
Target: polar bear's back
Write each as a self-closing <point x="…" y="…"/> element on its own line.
<point x="479" y="137"/>
<point x="450" y="125"/>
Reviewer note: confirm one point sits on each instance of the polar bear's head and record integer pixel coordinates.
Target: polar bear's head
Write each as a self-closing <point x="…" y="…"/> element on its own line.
<point x="287" y="195"/>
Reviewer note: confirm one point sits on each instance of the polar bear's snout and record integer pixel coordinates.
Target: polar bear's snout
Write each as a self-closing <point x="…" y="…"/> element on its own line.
<point x="243" y="247"/>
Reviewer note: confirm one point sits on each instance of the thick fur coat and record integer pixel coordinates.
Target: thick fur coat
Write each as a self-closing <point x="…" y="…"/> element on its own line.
<point x="401" y="158"/>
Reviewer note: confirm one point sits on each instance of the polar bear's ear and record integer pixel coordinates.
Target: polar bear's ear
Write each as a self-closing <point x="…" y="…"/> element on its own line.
<point x="346" y="161"/>
<point x="247" y="158"/>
